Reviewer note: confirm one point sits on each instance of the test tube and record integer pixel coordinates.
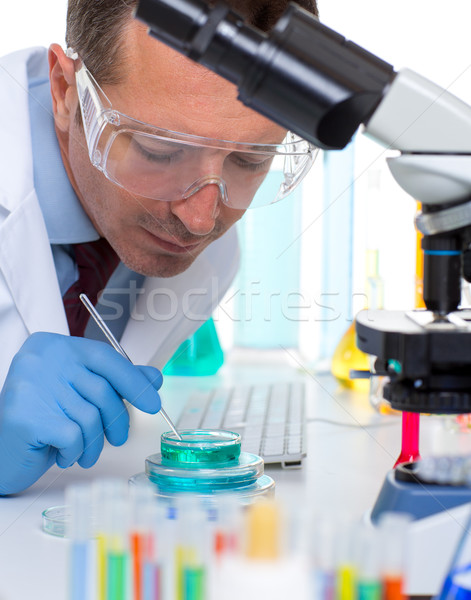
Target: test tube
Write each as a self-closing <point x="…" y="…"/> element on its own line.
<point x="147" y="517"/>
<point x="118" y="549"/>
<point x="322" y="553"/>
<point x="226" y="528"/>
<point x="154" y="553"/>
<point x="111" y="506"/>
<point x="368" y="552"/>
<point x="265" y="568"/>
<point x="346" y="570"/>
<point x="99" y="518"/>
<point x="79" y="531"/>
<point x="393" y="531"/>
<point x="192" y="551"/>
<point x="225" y="524"/>
<point x="140" y="535"/>
<point x="263" y="531"/>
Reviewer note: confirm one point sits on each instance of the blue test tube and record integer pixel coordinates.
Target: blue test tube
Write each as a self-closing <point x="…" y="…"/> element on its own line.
<point x="322" y="553"/>
<point x="79" y="531"/>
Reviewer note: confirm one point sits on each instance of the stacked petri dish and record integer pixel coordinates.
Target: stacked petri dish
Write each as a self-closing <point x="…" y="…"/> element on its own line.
<point x="208" y="463"/>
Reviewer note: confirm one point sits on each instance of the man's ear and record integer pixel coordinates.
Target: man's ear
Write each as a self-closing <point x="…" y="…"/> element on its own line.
<point x="63" y="89"/>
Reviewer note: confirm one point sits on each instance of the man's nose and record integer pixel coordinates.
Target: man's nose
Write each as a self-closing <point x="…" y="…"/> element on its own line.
<point x="199" y="208"/>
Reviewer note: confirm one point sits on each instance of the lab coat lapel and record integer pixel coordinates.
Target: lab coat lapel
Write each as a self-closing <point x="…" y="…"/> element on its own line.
<point x="15" y="148"/>
<point x="25" y="253"/>
<point x="28" y="267"/>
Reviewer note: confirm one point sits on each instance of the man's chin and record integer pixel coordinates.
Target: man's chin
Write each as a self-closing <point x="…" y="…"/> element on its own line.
<point x="161" y="266"/>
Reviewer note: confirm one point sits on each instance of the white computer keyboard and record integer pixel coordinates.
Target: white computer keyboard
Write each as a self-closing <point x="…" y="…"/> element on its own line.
<point x="269" y="417"/>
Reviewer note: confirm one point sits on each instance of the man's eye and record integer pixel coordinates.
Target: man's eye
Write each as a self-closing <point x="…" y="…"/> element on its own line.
<point x="250" y="164"/>
<point x="163" y="155"/>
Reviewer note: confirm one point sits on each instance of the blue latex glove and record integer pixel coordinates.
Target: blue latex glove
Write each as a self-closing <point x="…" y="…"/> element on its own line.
<point x="62" y="395"/>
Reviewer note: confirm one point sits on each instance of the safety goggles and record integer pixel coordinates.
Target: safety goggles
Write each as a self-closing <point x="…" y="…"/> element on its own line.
<point x="167" y="165"/>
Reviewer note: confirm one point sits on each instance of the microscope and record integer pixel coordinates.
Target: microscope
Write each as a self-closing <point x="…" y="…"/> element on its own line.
<point x="314" y="82"/>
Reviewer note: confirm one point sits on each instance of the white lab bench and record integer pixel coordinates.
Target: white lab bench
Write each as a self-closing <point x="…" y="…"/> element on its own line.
<point x="343" y="472"/>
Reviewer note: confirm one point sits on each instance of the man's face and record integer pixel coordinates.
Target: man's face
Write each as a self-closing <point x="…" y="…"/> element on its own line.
<point x="167" y="90"/>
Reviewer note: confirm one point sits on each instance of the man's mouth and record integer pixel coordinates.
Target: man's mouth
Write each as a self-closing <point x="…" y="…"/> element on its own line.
<point x="173" y="245"/>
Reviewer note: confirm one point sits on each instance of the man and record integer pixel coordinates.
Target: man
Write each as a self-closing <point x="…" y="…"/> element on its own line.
<point x="128" y="169"/>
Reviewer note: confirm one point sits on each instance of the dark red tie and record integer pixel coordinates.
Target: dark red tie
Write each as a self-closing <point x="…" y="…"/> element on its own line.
<point x="96" y="262"/>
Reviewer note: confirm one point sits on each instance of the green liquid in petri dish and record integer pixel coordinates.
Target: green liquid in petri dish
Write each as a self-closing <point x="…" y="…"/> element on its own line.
<point x="200" y="446"/>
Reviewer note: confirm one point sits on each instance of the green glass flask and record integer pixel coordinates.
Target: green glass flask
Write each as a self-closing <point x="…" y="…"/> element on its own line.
<point x="201" y="354"/>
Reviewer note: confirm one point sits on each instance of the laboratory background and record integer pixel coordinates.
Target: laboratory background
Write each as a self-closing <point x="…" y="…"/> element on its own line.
<point x="304" y="267"/>
<point x="343" y="242"/>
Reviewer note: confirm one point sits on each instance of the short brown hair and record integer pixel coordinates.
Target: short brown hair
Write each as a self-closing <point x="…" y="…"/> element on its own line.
<point x="95" y="28"/>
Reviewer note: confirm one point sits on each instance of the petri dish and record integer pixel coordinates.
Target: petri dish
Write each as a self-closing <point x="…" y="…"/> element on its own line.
<point x="55" y="520"/>
<point x="207" y="463"/>
<point x="200" y="446"/>
<point x="180" y="477"/>
<point x="264" y="486"/>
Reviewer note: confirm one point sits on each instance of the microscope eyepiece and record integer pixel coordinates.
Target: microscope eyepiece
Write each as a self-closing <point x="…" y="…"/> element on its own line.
<point x="302" y="75"/>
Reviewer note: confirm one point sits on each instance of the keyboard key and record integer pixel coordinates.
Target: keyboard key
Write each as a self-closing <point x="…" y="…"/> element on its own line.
<point x="252" y="431"/>
<point x="294" y="445"/>
<point x="260" y="391"/>
<point x="296" y="412"/>
<point x="277" y="413"/>
<point x="294" y="428"/>
<point x="273" y="446"/>
<point x="241" y="391"/>
<point x="234" y="426"/>
<point x="212" y="421"/>
<point x="275" y="429"/>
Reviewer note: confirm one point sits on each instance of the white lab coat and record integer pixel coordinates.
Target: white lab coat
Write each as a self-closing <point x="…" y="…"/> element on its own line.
<point x="30" y="298"/>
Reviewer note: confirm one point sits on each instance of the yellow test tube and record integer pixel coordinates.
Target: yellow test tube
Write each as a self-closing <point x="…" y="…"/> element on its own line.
<point x="263" y="531"/>
<point x="346" y="582"/>
<point x="101" y="546"/>
<point x="110" y="507"/>
<point x="346" y="568"/>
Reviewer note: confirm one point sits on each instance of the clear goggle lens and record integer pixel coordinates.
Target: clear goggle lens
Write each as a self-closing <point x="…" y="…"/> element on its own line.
<point x="167" y="166"/>
<point x="166" y="170"/>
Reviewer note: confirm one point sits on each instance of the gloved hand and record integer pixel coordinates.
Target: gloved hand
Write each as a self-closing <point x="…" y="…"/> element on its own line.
<point x="62" y="395"/>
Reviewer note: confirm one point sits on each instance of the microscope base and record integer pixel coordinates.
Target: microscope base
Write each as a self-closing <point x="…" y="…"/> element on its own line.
<point x="440" y="514"/>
